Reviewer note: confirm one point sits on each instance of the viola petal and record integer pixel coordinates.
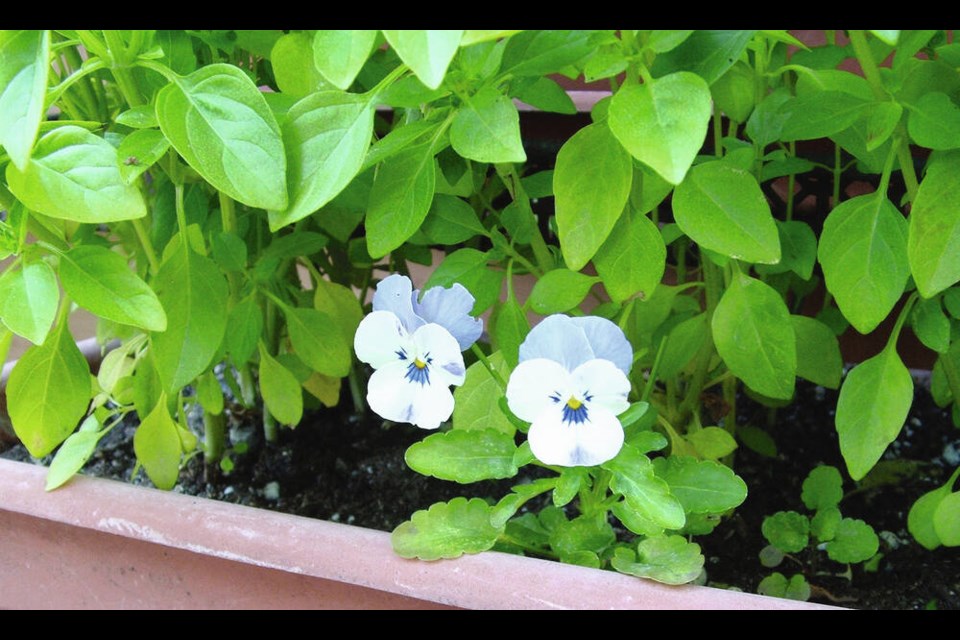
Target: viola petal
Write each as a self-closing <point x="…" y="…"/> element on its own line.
<point x="607" y="341"/>
<point x="536" y="386"/>
<point x="441" y="347"/>
<point x="395" y="397"/>
<point x="557" y="338"/>
<point x="592" y="442"/>
<point x="395" y="294"/>
<point x="450" y="308"/>
<point x="606" y="385"/>
<point x="379" y="338"/>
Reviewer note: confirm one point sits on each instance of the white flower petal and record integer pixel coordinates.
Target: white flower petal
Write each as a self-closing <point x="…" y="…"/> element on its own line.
<point x="395" y="294"/>
<point x="534" y="385"/>
<point x="441" y="347"/>
<point x="379" y="337"/>
<point x="607" y="341"/>
<point x="557" y="338"/>
<point x="606" y="385"/>
<point x="450" y="308"/>
<point x="554" y="441"/>
<point x="395" y="397"/>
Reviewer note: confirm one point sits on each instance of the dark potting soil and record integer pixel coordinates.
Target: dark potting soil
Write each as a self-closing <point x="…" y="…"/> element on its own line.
<point x="353" y="471"/>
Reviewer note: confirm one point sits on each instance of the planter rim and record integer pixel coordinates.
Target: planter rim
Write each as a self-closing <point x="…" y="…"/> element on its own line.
<point x="344" y="553"/>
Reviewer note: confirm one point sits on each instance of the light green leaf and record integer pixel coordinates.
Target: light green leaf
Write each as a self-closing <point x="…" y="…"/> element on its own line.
<point x="582" y="534"/>
<point x="920" y="520"/>
<point x="776" y="585"/>
<point x="666" y="559"/>
<point x="23" y="87"/>
<point x="427" y="52"/>
<point x="451" y="221"/>
<point x="280" y="389"/>
<point x="29" y="297"/>
<point x="757" y="440"/>
<point x="701" y="486"/>
<point x="824" y="524"/>
<point x="723" y="209"/>
<point x="218" y="120"/>
<point x="882" y="119"/>
<point x="157" y="445"/>
<point x="946" y="520"/>
<point x="139" y="151"/>
<point x="818" y="352"/>
<point x="194" y="294"/>
<point x="787" y="530"/>
<point x="341" y="304"/>
<point x="339" y="54"/>
<point x="318" y="341"/>
<point x="933" y="245"/>
<point x="476" y="36"/>
<point x="822" y="488"/>
<point x="75" y="175"/>
<point x="540" y="53"/>
<point x="401" y="197"/>
<point x="560" y="290"/>
<point x="74" y="453"/>
<point x="592" y="184"/>
<point x="708" y="53"/>
<point x="508" y="328"/>
<point x="102" y="282"/>
<point x="755" y="337"/>
<point x="326" y="136"/>
<point x="873" y="404"/>
<point x="632" y="259"/>
<point x="544" y="94"/>
<point x="931" y="325"/>
<point x="48" y="392"/>
<point x="477" y="401"/>
<point x="568" y="485"/>
<point x="244" y="324"/>
<point x="798" y="250"/>
<point x="468" y="267"/>
<point x="818" y="114"/>
<point x="889" y="36"/>
<point x="229" y="251"/>
<point x="712" y="443"/>
<point x="663" y="123"/>
<point x="141" y="117"/>
<point x="735" y="91"/>
<point x="663" y="40"/>
<point x="683" y="343"/>
<point x="646" y="494"/>
<point x="854" y="541"/>
<point x="487" y="128"/>
<point x="292" y="59"/>
<point x="863" y="252"/>
<point x="464" y="455"/>
<point x="446" y="530"/>
<point x="934" y="122"/>
<point x="766" y="122"/>
<point x="209" y="393"/>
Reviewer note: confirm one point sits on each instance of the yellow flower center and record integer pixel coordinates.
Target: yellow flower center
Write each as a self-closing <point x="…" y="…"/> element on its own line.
<point x="574" y="404"/>
<point x="418" y="363"/>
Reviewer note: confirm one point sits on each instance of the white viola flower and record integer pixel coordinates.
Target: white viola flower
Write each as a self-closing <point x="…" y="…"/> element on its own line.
<point x="570" y="385"/>
<point x="413" y="371"/>
<point x="449" y="308"/>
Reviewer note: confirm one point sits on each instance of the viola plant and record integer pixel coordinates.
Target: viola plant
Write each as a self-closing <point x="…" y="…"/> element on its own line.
<point x="226" y="201"/>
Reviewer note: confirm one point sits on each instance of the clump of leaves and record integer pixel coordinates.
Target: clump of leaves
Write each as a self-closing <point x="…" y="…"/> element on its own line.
<point x="846" y="540"/>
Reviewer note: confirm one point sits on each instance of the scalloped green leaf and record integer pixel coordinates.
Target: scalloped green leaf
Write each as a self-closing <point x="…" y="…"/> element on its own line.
<point x="666" y="559"/>
<point x="446" y="530"/>
<point x="464" y="455"/>
<point x="788" y="531"/>
<point x="853" y="541"/>
<point x="822" y="488"/>
<point x="701" y="486"/>
<point x="649" y="496"/>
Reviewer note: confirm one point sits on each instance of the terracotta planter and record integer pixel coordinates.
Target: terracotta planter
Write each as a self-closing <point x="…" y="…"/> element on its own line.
<point x="98" y="543"/>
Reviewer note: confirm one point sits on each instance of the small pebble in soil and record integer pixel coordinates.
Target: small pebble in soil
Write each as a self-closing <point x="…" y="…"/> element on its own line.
<point x="271" y="490"/>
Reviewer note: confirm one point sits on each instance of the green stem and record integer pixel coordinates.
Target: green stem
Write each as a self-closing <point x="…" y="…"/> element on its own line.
<point x="86" y="94"/>
<point x="214" y="437"/>
<point x="652" y="379"/>
<point x="791" y="184"/>
<point x="888" y="168"/>
<point x="482" y="357"/>
<point x="56" y="92"/>
<point x="717" y="133"/>
<point x="713" y="280"/>
<point x="356" y="394"/>
<point x="901" y="319"/>
<point x="248" y="391"/>
<point x="146" y="245"/>
<point x="837" y="174"/>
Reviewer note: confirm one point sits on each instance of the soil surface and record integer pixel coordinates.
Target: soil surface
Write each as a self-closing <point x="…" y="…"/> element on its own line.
<point x="353" y="471"/>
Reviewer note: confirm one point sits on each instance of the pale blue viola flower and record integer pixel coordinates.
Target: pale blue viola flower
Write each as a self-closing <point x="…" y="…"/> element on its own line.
<point x="449" y="308"/>
<point x="570" y="385"/>
<point x="413" y="371"/>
